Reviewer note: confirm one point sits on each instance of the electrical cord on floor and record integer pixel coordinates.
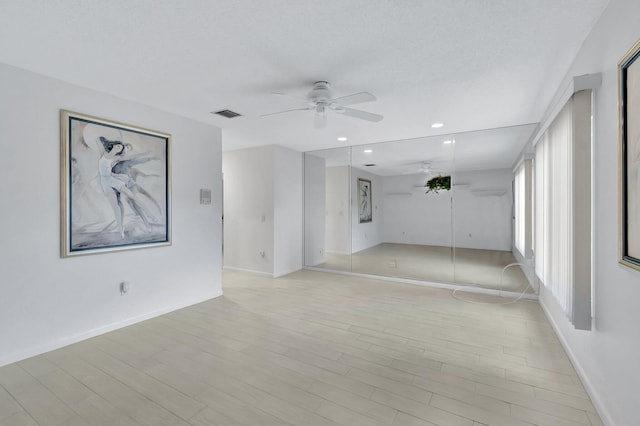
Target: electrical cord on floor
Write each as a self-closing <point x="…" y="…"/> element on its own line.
<point x="453" y="293"/>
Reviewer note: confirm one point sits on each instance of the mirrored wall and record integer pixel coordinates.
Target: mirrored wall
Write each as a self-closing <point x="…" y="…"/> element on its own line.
<point x="434" y="209"/>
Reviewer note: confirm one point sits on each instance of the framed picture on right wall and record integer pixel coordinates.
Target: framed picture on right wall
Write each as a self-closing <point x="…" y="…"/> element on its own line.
<point x="629" y="152"/>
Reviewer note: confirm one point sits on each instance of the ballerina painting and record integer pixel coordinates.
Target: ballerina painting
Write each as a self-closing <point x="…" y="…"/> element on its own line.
<point x="115" y="186"/>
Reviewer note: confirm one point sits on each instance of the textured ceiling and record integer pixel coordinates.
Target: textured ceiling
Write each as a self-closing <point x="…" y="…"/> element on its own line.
<point x="471" y="64"/>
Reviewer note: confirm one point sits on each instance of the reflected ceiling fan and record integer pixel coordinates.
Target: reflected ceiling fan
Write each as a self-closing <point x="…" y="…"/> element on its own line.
<point x="320" y="100"/>
<point x="423" y="167"/>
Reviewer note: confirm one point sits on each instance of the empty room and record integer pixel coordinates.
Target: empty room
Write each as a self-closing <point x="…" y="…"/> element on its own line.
<point x="365" y="212"/>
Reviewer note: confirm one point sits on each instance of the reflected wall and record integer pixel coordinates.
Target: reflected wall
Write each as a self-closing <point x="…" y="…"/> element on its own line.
<point x="462" y="235"/>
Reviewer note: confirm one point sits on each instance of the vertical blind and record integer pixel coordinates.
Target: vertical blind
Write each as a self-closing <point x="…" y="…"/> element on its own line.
<point x="554" y="209"/>
<point x="519" y="209"/>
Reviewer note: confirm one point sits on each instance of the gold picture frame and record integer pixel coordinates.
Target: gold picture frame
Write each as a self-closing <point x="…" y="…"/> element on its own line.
<point x="629" y="157"/>
<point x="115" y="186"/>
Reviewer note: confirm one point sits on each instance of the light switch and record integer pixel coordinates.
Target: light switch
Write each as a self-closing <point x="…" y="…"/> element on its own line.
<point x="205" y="196"/>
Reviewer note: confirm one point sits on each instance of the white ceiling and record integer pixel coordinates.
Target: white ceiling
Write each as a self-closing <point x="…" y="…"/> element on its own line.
<point x="471" y="64"/>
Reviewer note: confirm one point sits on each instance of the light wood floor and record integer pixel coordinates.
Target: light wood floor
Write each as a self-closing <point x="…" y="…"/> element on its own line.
<point x="310" y="348"/>
<point x="460" y="266"/>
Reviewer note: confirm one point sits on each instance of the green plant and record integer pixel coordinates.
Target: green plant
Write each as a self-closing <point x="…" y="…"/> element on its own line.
<point x="439" y="183"/>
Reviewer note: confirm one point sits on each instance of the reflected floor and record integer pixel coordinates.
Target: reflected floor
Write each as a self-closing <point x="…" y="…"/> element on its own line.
<point x="477" y="267"/>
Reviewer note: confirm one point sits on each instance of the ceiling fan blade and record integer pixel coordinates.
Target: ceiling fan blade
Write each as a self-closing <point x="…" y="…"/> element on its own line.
<point x="356" y="113"/>
<point x="356" y="98"/>
<point x="289" y="110"/>
<point x="320" y="120"/>
<point x="295" y="98"/>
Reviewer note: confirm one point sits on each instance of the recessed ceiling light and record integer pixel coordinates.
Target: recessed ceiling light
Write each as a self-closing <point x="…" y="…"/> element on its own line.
<point x="447" y="142"/>
<point x="342" y="138"/>
<point x="368" y="151"/>
<point x="437" y="125"/>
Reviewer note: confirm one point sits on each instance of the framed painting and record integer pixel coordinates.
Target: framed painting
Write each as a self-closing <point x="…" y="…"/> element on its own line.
<point x="115" y="186"/>
<point x="364" y="201"/>
<point x="629" y="167"/>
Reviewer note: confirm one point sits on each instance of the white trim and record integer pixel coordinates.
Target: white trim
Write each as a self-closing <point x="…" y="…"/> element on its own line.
<point x="581" y="82"/>
<point x="248" y="271"/>
<point x="524" y="157"/>
<point x="470" y="288"/>
<point x="346" y="253"/>
<point x="527" y="269"/>
<point x="69" y="340"/>
<point x="600" y="407"/>
<point x="287" y="272"/>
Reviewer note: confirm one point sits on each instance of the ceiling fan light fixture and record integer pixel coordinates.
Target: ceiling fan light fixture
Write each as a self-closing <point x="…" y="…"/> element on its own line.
<point x="321" y="101"/>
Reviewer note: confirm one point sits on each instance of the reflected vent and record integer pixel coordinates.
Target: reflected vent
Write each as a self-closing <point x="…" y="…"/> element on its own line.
<point x="227" y="113"/>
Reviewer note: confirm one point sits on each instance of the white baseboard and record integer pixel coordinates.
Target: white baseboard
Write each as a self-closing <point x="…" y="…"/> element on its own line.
<point x="470" y="288"/>
<point x="69" y="340"/>
<point x="260" y="273"/>
<point x="527" y="268"/>
<point x="248" y="271"/>
<point x="287" y="272"/>
<point x="600" y="407"/>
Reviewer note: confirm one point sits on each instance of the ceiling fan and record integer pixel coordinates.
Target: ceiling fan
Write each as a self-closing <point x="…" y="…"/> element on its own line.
<point x="320" y="100"/>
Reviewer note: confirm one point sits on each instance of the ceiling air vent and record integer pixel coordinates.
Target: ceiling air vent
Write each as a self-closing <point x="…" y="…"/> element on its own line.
<point x="369" y="165"/>
<point x="227" y="113"/>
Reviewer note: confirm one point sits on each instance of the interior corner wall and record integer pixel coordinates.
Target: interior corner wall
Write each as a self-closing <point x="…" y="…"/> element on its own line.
<point x="288" y="213"/>
<point x="48" y="302"/>
<point x="607" y="356"/>
<point x="368" y="234"/>
<point x="249" y="209"/>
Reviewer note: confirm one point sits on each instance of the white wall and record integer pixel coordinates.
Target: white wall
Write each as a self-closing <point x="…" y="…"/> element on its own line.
<point x="314" y="209"/>
<point x="338" y="218"/>
<point x="368" y="234"/>
<point x="248" y="209"/>
<point x="46" y="301"/>
<point x="607" y="357"/>
<point x="263" y="210"/>
<point x="482" y="219"/>
<point x="287" y="211"/>
<point x="413" y="217"/>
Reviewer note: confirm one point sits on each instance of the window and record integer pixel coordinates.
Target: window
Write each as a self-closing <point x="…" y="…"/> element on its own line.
<point x="522" y="209"/>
